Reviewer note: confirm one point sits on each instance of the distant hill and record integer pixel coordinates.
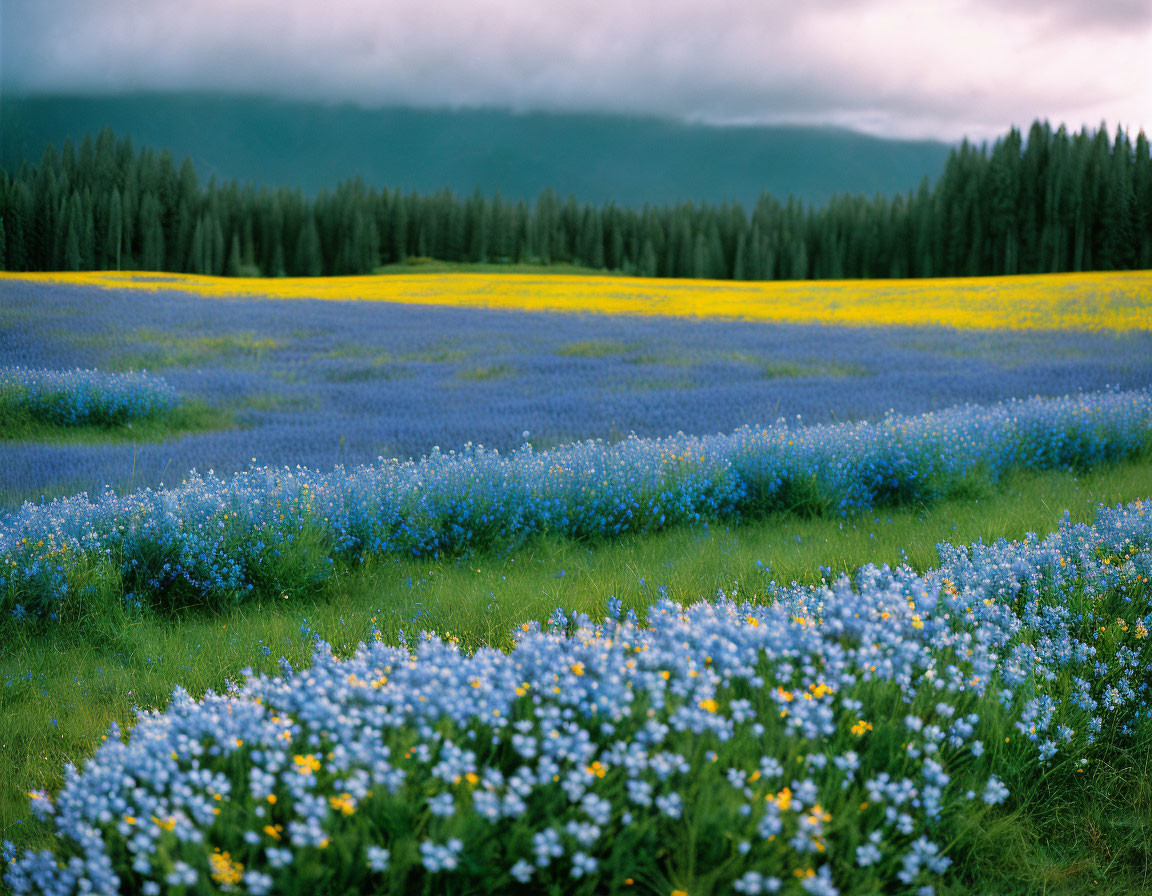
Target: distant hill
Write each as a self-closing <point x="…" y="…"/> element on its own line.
<point x="596" y="158"/>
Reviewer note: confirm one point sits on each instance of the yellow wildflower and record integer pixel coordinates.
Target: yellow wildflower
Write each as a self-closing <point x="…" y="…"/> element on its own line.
<point x="344" y="803"/>
<point x="225" y="871"/>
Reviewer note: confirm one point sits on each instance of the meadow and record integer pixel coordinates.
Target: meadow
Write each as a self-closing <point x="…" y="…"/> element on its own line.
<point x="320" y="383"/>
<point x="793" y="591"/>
<point x="1101" y="300"/>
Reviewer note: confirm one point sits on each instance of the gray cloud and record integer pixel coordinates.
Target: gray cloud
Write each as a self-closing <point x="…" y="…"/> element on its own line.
<point x="893" y="66"/>
<point x="1104" y="14"/>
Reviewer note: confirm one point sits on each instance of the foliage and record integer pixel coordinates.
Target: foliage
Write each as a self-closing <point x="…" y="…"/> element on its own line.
<point x="1053" y="202"/>
<point x="844" y="738"/>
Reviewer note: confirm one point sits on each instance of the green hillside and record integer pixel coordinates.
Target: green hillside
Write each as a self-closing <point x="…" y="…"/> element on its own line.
<point x="596" y="158"/>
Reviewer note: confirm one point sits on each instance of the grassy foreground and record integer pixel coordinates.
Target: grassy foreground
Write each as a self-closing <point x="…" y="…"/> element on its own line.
<point x="60" y="691"/>
<point x="1113" y="301"/>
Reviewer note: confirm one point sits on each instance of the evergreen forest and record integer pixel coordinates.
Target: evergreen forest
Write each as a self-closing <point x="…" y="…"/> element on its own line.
<point x="1053" y="201"/>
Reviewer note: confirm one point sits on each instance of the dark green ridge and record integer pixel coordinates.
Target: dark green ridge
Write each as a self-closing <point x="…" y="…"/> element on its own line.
<point x="597" y="158"/>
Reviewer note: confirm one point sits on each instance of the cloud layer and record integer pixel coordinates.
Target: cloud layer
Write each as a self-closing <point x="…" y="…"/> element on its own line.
<point x="944" y="68"/>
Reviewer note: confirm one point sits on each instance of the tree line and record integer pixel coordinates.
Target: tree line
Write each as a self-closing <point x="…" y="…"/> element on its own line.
<point x="1053" y="202"/>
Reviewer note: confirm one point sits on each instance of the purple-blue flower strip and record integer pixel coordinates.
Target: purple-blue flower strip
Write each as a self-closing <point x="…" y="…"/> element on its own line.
<point x="215" y="540"/>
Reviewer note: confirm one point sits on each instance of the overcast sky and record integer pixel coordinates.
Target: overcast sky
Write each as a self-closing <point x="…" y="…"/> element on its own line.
<point x="921" y="68"/>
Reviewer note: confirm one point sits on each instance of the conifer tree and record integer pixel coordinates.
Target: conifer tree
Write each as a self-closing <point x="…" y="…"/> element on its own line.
<point x="72" y="246"/>
<point x="115" y="231"/>
<point x="151" y="234"/>
<point x="196" y="263"/>
<point x="232" y="268"/>
<point x="86" y="229"/>
<point x="217" y="245"/>
<point x="308" y="261"/>
<point x="716" y="267"/>
<point x="15" y="226"/>
<point x="647" y="264"/>
<point x="798" y="269"/>
<point x="740" y="264"/>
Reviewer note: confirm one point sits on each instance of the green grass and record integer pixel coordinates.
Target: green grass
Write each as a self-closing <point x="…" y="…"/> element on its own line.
<point x="60" y="690"/>
<point x="440" y="352"/>
<point x="597" y="348"/>
<point x="484" y="373"/>
<point x="766" y="367"/>
<point x="1075" y="833"/>
<point x="771" y="369"/>
<point x="381" y="370"/>
<point x="375" y="364"/>
<point x="151" y="349"/>
<point x="278" y="402"/>
<point x="159" y="349"/>
<point x="418" y="265"/>
<point x="187" y="417"/>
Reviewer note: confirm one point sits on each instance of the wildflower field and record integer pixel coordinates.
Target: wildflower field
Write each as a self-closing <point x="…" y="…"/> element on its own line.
<point x="1100" y="300"/>
<point x="292" y="381"/>
<point x="456" y="591"/>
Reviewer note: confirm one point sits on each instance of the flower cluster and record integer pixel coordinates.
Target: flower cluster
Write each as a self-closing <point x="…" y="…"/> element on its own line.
<point x="81" y="397"/>
<point x="215" y="540"/>
<point x="825" y="742"/>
